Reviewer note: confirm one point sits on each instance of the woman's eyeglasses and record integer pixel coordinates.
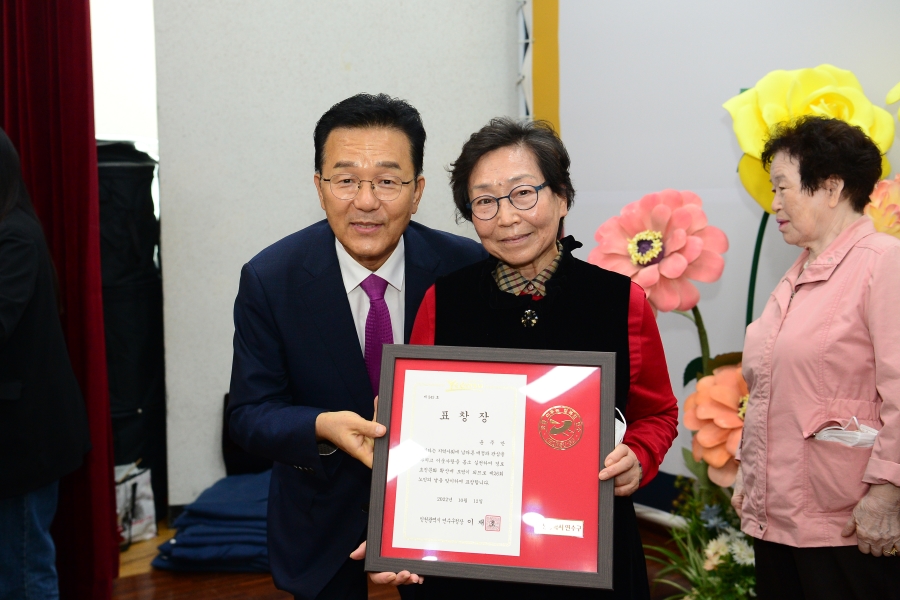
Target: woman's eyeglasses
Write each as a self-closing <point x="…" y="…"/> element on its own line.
<point x="522" y="197"/>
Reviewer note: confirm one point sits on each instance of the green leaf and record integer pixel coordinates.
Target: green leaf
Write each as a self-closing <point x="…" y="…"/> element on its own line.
<point x="673" y="557"/>
<point x="697" y="468"/>
<point x="729" y="358"/>
<point x="694" y="370"/>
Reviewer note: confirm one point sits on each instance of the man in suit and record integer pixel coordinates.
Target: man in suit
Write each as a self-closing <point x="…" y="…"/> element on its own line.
<point x="312" y="313"/>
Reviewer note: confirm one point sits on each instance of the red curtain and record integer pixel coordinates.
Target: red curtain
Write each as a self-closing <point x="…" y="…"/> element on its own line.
<point x="47" y="109"/>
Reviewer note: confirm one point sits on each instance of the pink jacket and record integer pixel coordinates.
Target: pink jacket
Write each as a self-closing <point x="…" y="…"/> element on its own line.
<point x="826" y="348"/>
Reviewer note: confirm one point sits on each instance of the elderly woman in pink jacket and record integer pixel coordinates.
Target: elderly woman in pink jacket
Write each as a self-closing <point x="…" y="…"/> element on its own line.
<point x="823" y="367"/>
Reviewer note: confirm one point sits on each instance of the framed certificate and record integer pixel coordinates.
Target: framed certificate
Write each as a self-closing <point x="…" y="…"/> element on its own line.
<point x="489" y="468"/>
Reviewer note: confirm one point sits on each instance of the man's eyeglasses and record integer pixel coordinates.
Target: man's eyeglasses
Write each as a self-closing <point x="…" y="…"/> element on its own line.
<point x="385" y="187"/>
<point x="522" y="197"/>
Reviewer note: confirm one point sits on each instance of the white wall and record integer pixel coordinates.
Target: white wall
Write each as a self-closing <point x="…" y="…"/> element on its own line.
<point x="240" y="87"/>
<point x="124" y="68"/>
<point x="124" y="73"/>
<point x="642" y="84"/>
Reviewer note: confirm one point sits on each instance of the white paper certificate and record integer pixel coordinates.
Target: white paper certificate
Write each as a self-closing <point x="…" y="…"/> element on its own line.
<point x="459" y="462"/>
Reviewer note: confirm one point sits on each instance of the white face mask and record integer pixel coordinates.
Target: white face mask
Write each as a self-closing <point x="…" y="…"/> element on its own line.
<point x="620" y="428"/>
<point x="863" y="437"/>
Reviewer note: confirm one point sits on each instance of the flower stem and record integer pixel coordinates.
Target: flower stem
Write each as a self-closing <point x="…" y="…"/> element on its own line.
<point x="704" y="341"/>
<point x="751" y="292"/>
<point x="684" y="314"/>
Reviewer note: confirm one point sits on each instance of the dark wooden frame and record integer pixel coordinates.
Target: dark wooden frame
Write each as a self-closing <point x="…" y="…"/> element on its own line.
<point x="375" y="562"/>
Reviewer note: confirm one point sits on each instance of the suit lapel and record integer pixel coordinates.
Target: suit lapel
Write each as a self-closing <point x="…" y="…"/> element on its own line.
<point x="326" y="304"/>
<point x="421" y="265"/>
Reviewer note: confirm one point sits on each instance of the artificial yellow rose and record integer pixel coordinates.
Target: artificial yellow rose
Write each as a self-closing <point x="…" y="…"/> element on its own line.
<point x="894" y="96"/>
<point x="784" y="95"/>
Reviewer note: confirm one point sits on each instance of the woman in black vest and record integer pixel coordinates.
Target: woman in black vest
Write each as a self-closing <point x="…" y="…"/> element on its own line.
<point x="43" y="424"/>
<point x="512" y="182"/>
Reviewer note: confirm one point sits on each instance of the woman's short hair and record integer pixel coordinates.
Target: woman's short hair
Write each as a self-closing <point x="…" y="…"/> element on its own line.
<point x="826" y="148"/>
<point x="502" y="132"/>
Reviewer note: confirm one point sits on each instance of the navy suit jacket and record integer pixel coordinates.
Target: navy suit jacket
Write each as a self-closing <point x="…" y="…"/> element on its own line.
<point x="296" y="355"/>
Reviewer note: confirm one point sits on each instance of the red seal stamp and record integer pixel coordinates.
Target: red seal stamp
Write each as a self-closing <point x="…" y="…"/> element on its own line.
<point x="492" y="523"/>
<point x="561" y="427"/>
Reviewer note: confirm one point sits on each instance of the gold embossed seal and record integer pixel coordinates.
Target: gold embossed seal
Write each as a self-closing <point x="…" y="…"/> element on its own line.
<point x="561" y="427"/>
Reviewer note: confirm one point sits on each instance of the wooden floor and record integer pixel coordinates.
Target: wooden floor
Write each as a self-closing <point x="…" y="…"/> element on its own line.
<point x="136" y="560"/>
<point x="138" y="581"/>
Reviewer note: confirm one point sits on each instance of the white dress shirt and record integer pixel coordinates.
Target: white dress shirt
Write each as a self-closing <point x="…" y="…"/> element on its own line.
<point x="392" y="271"/>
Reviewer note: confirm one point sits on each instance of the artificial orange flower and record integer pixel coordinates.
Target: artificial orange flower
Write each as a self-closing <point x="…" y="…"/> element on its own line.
<point x="884" y="209"/>
<point x="716" y="413"/>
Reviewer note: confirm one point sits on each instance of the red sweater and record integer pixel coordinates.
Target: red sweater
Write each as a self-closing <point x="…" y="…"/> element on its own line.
<point x="652" y="410"/>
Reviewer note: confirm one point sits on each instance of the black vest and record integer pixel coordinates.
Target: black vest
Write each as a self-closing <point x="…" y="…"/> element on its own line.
<point x="586" y="308"/>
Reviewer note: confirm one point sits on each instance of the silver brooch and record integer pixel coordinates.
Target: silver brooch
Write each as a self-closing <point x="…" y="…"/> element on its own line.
<point x="529" y="319"/>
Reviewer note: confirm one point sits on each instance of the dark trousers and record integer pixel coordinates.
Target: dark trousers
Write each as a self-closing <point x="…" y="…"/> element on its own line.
<point x="352" y="583"/>
<point x="349" y="583"/>
<point x="841" y="572"/>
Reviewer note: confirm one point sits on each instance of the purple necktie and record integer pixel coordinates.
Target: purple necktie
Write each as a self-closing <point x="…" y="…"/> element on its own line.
<point x="378" y="326"/>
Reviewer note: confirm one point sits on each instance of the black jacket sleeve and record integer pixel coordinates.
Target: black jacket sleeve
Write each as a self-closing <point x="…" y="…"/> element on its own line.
<point x="18" y="272"/>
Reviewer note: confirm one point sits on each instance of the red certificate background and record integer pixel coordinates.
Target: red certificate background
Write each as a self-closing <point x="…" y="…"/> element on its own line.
<point x="558" y="484"/>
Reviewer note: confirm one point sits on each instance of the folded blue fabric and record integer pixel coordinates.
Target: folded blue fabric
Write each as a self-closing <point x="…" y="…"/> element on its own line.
<point x="218" y="553"/>
<point x="187" y="519"/>
<point x="256" y="565"/>
<point x="203" y="535"/>
<point x="235" y="497"/>
<point x="224" y="530"/>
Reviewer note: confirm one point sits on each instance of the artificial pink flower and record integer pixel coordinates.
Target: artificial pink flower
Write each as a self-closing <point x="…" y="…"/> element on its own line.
<point x="661" y="241"/>
<point x="884" y="209"/>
